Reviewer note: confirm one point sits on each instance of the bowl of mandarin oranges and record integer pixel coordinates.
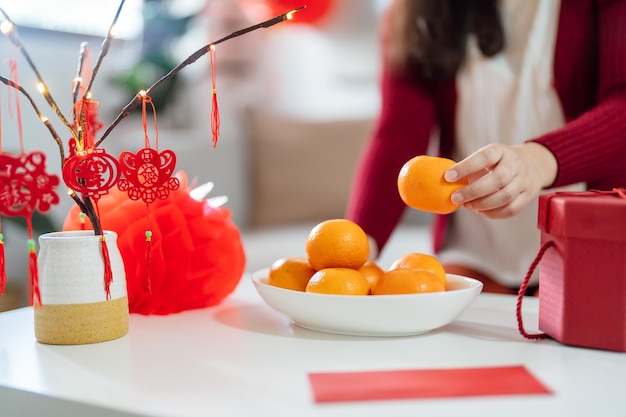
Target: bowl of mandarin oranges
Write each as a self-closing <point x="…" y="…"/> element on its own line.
<point x="337" y="289"/>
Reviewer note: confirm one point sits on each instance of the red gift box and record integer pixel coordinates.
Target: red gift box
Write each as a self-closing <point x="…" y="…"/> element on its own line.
<point x="582" y="278"/>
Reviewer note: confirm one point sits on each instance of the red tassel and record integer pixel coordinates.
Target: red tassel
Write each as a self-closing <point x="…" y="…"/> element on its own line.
<point x="3" y="273"/>
<point x="148" y="261"/>
<point x="215" y="112"/>
<point x="108" y="274"/>
<point x="34" y="276"/>
<point x="215" y="119"/>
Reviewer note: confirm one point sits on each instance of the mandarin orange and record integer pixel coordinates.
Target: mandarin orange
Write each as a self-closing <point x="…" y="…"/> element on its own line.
<point x="372" y="272"/>
<point x="337" y="243"/>
<point x="418" y="260"/>
<point x="421" y="184"/>
<point x="292" y="273"/>
<point x="343" y="281"/>
<point x="408" y="281"/>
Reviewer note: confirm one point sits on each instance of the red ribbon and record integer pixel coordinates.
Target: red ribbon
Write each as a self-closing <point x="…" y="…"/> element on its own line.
<point x="618" y="192"/>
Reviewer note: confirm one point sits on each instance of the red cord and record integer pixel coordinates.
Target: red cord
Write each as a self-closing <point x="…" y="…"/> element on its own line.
<point x="18" y="109"/>
<point x="522" y="292"/>
<point x="144" y="121"/>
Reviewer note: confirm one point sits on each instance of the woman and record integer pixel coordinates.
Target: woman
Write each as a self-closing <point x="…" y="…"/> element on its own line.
<point x="527" y="95"/>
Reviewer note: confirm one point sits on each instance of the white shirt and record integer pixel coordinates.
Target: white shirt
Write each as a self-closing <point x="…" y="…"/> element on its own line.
<point x="505" y="99"/>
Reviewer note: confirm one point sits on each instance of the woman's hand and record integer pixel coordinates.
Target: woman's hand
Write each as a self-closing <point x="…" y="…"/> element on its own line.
<point x="503" y="178"/>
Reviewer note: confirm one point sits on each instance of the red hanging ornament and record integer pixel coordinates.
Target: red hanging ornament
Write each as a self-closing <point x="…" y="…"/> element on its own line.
<point x="24" y="184"/>
<point x="148" y="176"/>
<point x="91" y="173"/>
<point x="25" y="187"/>
<point x="88" y="170"/>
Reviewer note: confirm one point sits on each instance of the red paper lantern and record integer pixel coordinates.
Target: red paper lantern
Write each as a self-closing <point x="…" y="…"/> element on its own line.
<point x="197" y="256"/>
<point x="314" y="13"/>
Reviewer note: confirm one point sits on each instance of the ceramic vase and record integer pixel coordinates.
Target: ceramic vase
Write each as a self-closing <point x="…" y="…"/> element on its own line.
<point x="75" y="308"/>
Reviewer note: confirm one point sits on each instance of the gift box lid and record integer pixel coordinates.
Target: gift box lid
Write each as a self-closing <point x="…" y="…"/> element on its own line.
<point x="599" y="215"/>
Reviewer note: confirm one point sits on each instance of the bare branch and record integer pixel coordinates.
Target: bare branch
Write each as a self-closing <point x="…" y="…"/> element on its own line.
<point x="104" y="48"/>
<point x="12" y="35"/>
<point x="43" y="118"/>
<point x="82" y="54"/>
<point x="190" y="60"/>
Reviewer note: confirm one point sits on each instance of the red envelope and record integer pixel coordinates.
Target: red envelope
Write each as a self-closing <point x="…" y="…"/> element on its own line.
<point x="424" y="383"/>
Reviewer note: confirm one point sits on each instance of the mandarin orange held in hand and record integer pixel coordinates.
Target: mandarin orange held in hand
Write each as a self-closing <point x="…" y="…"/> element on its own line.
<point x="372" y="272"/>
<point x="418" y="260"/>
<point x="337" y="243"/>
<point x="408" y="281"/>
<point x="292" y="273"/>
<point x="338" y="281"/>
<point x="421" y="184"/>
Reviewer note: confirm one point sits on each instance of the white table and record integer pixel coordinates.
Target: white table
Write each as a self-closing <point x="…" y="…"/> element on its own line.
<point x="241" y="358"/>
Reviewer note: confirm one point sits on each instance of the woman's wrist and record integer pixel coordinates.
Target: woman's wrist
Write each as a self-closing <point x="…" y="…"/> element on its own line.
<point x="544" y="161"/>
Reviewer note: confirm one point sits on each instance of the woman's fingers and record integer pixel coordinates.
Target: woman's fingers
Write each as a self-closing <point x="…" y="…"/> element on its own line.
<point x="483" y="159"/>
<point x="488" y="170"/>
<point x="503" y="179"/>
<point x="506" y="202"/>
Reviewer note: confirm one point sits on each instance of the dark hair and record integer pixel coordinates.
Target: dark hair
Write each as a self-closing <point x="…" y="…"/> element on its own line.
<point x="430" y="36"/>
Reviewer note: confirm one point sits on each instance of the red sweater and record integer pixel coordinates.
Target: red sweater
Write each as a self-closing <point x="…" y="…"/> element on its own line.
<point x="590" y="80"/>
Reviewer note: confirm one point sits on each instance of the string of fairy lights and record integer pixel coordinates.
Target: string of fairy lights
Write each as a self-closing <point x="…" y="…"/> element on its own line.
<point x="9" y="30"/>
<point x="88" y="171"/>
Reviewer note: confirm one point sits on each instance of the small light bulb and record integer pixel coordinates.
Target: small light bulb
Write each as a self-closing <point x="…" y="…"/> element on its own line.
<point x="42" y="88"/>
<point x="6" y="27"/>
<point x="113" y="32"/>
<point x="44" y="119"/>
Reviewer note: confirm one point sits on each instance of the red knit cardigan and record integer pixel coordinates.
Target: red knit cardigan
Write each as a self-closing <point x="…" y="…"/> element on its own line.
<point x="590" y="79"/>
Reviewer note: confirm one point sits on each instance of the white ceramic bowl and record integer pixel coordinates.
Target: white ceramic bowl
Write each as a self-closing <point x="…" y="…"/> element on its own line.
<point x="371" y="315"/>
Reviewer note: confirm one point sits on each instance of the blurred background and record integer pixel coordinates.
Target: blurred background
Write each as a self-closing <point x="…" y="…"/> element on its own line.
<point x="297" y="103"/>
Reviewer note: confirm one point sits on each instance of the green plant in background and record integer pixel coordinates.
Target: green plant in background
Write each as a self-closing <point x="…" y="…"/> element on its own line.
<point x="41" y="223"/>
<point x="161" y="28"/>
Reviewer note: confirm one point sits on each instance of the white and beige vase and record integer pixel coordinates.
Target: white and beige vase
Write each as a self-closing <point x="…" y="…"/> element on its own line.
<point x="74" y="305"/>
